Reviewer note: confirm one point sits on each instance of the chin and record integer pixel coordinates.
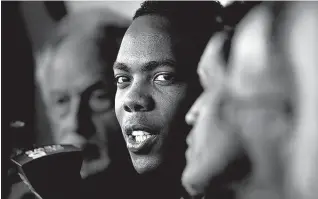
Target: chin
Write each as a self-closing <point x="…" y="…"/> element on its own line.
<point x="197" y="175"/>
<point x="145" y="163"/>
<point x="193" y="184"/>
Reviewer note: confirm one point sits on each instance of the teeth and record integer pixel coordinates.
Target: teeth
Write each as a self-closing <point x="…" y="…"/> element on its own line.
<point x="139" y="133"/>
<point x="141" y="138"/>
<point x="129" y="144"/>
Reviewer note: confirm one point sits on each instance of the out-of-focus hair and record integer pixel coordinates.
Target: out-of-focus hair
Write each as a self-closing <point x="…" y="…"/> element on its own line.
<point x="193" y="18"/>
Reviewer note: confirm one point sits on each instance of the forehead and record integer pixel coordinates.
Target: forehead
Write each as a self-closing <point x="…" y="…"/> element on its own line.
<point x="75" y="64"/>
<point x="211" y="66"/>
<point x="249" y="58"/>
<point x="251" y="39"/>
<point x="148" y="39"/>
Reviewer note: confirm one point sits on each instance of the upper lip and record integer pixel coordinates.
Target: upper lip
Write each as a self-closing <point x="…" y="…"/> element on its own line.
<point x="128" y="129"/>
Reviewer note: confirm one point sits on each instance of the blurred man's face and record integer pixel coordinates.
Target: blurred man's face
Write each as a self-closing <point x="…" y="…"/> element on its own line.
<point x="206" y="135"/>
<point x="80" y="103"/>
<point x="240" y="113"/>
<point x="152" y="94"/>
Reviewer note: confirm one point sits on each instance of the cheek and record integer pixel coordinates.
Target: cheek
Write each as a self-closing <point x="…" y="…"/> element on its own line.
<point x="53" y="116"/>
<point x="172" y="103"/>
<point x="57" y="120"/>
<point x="58" y="132"/>
<point x="263" y="125"/>
<point x="56" y="123"/>
<point x="265" y="133"/>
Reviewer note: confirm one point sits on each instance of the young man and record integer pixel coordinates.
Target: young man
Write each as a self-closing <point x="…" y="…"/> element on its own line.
<point x="156" y="84"/>
<point x="74" y="73"/>
<point x="259" y="108"/>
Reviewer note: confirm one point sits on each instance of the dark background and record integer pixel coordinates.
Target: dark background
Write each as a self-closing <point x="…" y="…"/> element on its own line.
<point x="25" y="27"/>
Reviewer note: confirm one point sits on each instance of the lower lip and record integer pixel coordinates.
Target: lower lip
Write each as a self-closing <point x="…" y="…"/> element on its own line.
<point x="140" y="147"/>
<point x="188" y="154"/>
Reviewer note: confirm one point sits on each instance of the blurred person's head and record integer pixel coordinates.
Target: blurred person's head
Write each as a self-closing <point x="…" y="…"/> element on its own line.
<point x="156" y="80"/>
<point x="206" y="138"/>
<point x="248" y="107"/>
<point x="296" y="36"/>
<point x="74" y="74"/>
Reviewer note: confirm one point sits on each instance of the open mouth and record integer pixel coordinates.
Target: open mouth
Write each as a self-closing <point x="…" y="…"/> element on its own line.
<point x="139" y="141"/>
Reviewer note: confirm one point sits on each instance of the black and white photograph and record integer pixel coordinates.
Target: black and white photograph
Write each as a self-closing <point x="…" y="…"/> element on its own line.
<point x="159" y="99"/>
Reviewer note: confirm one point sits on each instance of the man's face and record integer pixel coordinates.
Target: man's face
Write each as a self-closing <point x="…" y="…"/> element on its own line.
<point x="80" y="104"/>
<point x="241" y="112"/>
<point x="206" y="138"/>
<point x="152" y="94"/>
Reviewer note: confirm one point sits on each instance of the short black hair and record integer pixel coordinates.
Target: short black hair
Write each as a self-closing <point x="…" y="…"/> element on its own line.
<point x="191" y="16"/>
<point x="194" y="20"/>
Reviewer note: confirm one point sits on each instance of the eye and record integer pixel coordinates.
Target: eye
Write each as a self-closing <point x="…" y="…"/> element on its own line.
<point x="100" y="94"/>
<point x="122" y="81"/>
<point x="60" y="105"/>
<point x="165" y="78"/>
<point x="62" y="100"/>
<point x="100" y="100"/>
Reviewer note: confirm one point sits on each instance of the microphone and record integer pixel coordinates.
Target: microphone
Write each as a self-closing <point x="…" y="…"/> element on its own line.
<point x="51" y="171"/>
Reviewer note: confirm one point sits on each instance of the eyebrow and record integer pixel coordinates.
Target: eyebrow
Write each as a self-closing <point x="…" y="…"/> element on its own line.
<point x="121" y="66"/>
<point x="57" y="92"/>
<point x="149" y="66"/>
<point x="97" y="85"/>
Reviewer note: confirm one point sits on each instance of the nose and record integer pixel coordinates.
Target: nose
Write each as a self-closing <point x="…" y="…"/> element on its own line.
<point x="138" y="100"/>
<point x="71" y="120"/>
<point x="193" y="114"/>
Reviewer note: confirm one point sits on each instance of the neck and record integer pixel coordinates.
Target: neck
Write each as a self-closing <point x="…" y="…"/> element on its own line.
<point x="161" y="184"/>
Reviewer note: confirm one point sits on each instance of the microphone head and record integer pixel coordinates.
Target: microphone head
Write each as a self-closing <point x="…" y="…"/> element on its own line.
<point x="51" y="171"/>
